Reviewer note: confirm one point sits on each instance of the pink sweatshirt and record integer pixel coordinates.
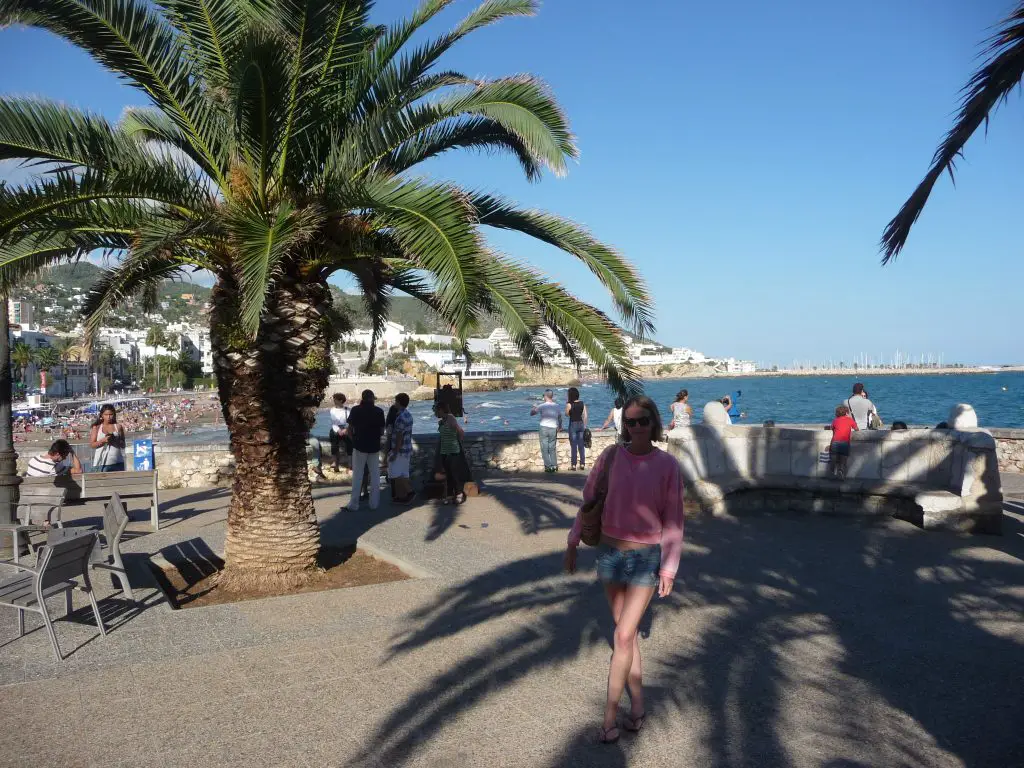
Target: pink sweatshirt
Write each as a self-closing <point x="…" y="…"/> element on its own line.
<point x="644" y="503"/>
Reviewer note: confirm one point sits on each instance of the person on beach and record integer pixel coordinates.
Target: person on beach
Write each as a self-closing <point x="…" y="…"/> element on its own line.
<point x="862" y="409"/>
<point x="60" y="459"/>
<point x="450" y="451"/>
<point x="682" y="413"/>
<point x="843" y="426"/>
<point x="550" y="423"/>
<point x="365" y="428"/>
<point x="400" y="453"/>
<point x="107" y="441"/>
<point x="339" y="429"/>
<point x="615" y="418"/>
<point x="641" y="543"/>
<point x="734" y="406"/>
<point x="576" y="411"/>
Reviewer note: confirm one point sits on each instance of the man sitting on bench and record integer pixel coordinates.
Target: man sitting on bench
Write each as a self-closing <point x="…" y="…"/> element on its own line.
<point x="59" y="460"/>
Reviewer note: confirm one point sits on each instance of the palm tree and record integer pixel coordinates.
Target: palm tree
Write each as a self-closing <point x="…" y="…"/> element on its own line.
<point x="156" y="338"/>
<point x="989" y="87"/>
<point x="64" y="346"/>
<point x="22" y="355"/>
<point x="280" y="149"/>
<point x="46" y="359"/>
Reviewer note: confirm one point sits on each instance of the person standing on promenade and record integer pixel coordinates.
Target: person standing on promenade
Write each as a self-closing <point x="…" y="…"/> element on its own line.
<point x="576" y="410"/>
<point x="641" y="543"/>
<point x="615" y="418"/>
<point x="107" y="442"/>
<point x="843" y="426"/>
<point x="550" y="423"/>
<point x="339" y="430"/>
<point x="682" y="413"/>
<point x="450" y="450"/>
<point x="400" y="454"/>
<point x="365" y="428"/>
<point x="863" y="410"/>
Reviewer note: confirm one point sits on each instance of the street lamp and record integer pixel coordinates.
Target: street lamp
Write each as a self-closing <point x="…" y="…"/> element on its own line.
<point x="9" y="480"/>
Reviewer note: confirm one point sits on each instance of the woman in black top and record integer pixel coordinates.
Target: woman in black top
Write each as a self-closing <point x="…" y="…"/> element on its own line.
<point x="576" y="410"/>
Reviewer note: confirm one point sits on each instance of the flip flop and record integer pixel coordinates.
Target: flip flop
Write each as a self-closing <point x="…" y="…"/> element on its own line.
<point x="604" y="738"/>
<point x="634" y="724"/>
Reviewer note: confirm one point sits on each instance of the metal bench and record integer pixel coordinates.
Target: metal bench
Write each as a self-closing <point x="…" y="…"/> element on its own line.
<point x="39" y="507"/>
<point x="56" y="568"/>
<point x="108" y="556"/>
<point x="103" y="485"/>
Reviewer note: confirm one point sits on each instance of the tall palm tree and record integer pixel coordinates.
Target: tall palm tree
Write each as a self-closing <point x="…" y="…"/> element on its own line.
<point x="281" y="148"/>
<point x="22" y="355"/>
<point x="64" y="346"/>
<point x="989" y="87"/>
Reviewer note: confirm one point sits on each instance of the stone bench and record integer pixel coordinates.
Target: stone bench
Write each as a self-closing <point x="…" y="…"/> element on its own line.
<point x="938" y="479"/>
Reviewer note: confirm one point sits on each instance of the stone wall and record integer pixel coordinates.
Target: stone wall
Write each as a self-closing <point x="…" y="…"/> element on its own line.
<point x="1009" y="449"/>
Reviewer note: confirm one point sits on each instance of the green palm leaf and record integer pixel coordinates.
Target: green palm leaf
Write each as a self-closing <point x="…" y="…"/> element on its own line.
<point x="988" y="87"/>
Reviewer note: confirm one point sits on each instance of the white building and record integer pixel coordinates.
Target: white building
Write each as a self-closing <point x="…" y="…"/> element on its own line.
<point x="195" y="342"/>
<point x="436" y="359"/>
<point x="21" y="313"/>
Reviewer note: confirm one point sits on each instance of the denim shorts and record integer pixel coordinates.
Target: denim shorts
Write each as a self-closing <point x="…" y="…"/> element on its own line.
<point x="638" y="567"/>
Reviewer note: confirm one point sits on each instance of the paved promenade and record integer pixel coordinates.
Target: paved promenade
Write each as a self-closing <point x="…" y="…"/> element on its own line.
<point x="790" y="641"/>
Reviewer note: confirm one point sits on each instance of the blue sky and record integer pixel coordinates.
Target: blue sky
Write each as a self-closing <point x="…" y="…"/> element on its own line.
<point x="746" y="156"/>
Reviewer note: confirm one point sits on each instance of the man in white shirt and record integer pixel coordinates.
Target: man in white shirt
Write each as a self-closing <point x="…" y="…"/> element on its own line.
<point x="550" y="423"/>
<point x="339" y="426"/>
<point x="59" y="460"/>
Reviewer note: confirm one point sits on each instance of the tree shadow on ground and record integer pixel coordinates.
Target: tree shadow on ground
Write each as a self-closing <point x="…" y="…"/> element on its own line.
<point x="538" y="505"/>
<point x="788" y="641"/>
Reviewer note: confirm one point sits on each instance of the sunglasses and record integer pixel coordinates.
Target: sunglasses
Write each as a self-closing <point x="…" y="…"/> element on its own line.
<point x="643" y="421"/>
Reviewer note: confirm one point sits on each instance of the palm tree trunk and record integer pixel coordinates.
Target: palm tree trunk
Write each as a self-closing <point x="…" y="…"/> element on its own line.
<point x="270" y="390"/>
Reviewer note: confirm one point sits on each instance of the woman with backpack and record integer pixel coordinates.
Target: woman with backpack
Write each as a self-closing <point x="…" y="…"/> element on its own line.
<point x="637" y="491"/>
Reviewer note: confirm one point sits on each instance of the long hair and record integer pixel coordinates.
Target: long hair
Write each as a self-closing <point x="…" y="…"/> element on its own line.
<point x="104" y="409"/>
<point x="681" y="395"/>
<point x="642" y="401"/>
<point x="574" y="394"/>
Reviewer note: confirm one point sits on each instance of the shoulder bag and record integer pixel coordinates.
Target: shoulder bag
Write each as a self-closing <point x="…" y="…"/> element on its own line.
<point x="591" y="511"/>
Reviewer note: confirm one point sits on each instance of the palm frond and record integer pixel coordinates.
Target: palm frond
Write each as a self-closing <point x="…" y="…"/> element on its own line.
<point x="626" y="286"/>
<point x="25" y="257"/>
<point x="435" y="226"/>
<point x="131" y="39"/>
<point x="580" y="327"/>
<point x="987" y="89"/>
<point x="212" y="29"/>
<point x="144" y="124"/>
<point x="140" y="273"/>
<point x="261" y="242"/>
<point x="43" y="132"/>
<point x="470" y="133"/>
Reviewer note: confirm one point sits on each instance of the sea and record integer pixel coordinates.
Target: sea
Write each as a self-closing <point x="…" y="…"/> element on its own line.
<point x="924" y="400"/>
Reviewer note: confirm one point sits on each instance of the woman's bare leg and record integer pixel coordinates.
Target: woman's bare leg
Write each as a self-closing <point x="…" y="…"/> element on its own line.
<point x="634" y="604"/>
<point x="616" y="594"/>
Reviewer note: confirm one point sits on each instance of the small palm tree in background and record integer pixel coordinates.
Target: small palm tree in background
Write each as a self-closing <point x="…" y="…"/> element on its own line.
<point x="989" y="87"/>
<point x="156" y="338"/>
<point x="46" y="359"/>
<point x="22" y="355"/>
<point x="65" y="347"/>
<point x="281" y="148"/>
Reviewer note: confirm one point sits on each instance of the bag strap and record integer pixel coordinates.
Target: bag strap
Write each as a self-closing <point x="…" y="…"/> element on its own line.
<point x="606" y="469"/>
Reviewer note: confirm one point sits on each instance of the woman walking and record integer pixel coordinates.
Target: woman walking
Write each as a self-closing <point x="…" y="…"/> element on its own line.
<point x="641" y="542"/>
<point x="615" y="418"/>
<point x="107" y="442"/>
<point x="576" y="410"/>
<point x="450" y="449"/>
<point x="682" y="413"/>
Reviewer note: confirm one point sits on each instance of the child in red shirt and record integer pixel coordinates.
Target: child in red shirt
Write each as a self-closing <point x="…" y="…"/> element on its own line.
<point x="839" y="451"/>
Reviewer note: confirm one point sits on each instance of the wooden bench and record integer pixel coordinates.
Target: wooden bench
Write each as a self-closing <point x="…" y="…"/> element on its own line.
<point x="71" y="483"/>
<point x="38" y="508"/>
<point x="103" y="485"/>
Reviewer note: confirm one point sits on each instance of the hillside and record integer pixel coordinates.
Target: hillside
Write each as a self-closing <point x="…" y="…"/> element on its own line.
<point x="411" y="313"/>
